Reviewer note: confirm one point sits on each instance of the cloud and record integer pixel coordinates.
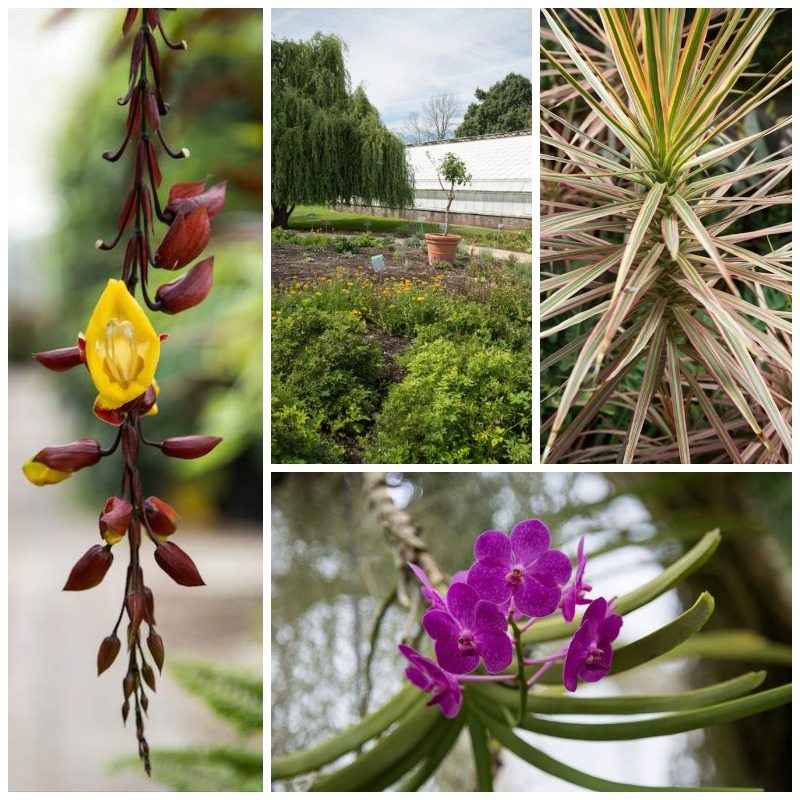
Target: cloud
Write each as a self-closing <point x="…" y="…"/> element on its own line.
<point x="403" y="57"/>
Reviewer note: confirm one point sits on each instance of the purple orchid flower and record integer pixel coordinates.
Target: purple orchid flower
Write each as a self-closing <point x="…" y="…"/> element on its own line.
<point x="430" y="677"/>
<point x="468" y="630"/>
<point x="520" y="567"/>
<point x="428" y="592"/>
<point x="575" y="591"/>
<point x="590" y="653"/>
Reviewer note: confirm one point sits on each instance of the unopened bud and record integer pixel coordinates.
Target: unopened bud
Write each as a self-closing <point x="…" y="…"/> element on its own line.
<point x="189" y="446"/>
<point x="115" y="519"/>
<point x="149" y="676"/>
<point x="90" y="569"/>
<point x="70" y="457"/>
<point x="144" y="701"/>
<point x="109" y="648"/>
<point x="134" y="605"/>
<point x="149" y="605"/>
<point x="161" y="516"/>
<point x="60" y="360"/>
<point x="187" y="237"/>
<point x="177" y="564"/>
<point x="156" y="646"/>
<point x="129" y="683"/>
<point x="126" y="707"/>
<point x="189" y="290"/>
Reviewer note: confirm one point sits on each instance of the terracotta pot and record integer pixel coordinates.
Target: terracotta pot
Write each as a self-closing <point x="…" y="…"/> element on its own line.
<point x="441" y="247"/>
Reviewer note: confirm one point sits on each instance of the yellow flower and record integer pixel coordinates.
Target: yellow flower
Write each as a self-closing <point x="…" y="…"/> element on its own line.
<point x="122" y="349"/>
<point x="42" y="475"/>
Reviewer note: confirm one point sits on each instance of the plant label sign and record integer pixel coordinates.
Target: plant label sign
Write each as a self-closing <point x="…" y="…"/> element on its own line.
<point x="378" y="264"/>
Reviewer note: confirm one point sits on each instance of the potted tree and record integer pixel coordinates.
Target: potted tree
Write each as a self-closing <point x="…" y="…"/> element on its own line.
<point x="451" y="172"/>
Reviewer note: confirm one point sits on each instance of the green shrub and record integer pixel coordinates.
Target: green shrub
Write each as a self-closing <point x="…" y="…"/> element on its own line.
<point x="297" y="436"/>
<point x="459" y="402"/>
<point x="325" y="359"/>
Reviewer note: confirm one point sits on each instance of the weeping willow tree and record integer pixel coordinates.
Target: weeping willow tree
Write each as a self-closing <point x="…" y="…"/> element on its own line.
<point x="328" y="142"/>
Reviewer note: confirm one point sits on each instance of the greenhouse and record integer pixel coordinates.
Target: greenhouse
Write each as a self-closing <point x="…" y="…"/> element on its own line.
<point x="501" y="167"/>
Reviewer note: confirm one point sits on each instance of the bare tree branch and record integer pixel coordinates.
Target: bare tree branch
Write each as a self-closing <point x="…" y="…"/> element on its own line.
<point x="439" y="114"/>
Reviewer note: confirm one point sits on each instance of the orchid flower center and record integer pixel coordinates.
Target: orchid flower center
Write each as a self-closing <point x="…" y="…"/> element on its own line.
<point x="594" y="655"/>
<point x="119" y="352"/>
<point x="514" y="578"/>
<point x="466" y="644"/>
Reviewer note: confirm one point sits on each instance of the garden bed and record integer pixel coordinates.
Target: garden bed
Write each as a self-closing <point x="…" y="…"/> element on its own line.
<point x="418" y="365"/>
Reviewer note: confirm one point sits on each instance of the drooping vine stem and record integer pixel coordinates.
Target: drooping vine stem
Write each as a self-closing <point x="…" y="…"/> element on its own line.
<point x="121" y="352"/>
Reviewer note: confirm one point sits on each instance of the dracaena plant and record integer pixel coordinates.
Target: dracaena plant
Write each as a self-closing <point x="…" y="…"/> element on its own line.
<point x="120" y="350"/>
<point x="496" y="635"/>
<point x="665" y="295"/>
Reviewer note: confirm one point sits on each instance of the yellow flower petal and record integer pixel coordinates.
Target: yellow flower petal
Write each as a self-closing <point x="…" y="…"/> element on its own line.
<point x="122" y="348"/>
<point x="42" y="475"/>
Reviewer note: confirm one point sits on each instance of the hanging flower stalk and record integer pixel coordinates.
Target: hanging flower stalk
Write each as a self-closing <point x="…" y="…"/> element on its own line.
<point x="120" y="350"/>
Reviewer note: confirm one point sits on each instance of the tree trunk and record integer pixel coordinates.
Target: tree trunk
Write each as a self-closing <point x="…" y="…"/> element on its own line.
<point x="280" y="215"/>
<point x="447" y="212"/>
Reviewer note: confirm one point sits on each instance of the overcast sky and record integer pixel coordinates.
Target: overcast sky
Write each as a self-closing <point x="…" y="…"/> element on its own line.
<point x="403" y="57"/>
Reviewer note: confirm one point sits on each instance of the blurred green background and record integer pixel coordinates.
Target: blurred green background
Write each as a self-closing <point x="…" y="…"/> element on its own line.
<point x="210" y="372"/>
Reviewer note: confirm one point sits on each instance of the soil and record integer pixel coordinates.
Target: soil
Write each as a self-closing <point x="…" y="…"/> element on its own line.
<point x="292" y="263"/>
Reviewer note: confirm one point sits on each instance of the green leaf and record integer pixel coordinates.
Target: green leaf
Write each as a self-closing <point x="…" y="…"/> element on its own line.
<point x="666" y="725"/>
<point x="551" y="701"/>
<point x="388" y="750"/>
<point x="436" y="754"/>
<point x="542" y="761"/>
<point x="350" y="739"/>
<point x="481" y="754"/>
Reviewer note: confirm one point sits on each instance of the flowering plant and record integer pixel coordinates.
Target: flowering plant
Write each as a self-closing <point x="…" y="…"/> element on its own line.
<point x="486" y="676"/>
<point x="120" y="350"/>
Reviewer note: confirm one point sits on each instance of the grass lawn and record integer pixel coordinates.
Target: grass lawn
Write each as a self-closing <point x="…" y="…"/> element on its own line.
<point x="519" y="241"/>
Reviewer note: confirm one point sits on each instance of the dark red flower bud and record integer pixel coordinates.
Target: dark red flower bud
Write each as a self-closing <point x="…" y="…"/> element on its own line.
<point x="134" y="605"/>
<point x="156" y="646"/>
<point x="60" y="360"/>
<point x="152" y="47"/>
<point x="129" y="684"/>
<point x="188" y="290"/>
<point x="189" y="446"/>
<point x="151" y="15"/>
<point x="161" y="516"/>
<point x="149" y="676"/>
<point x="128" y="209"/>
<point x="90" y="569"/>
<point x="130" y="18"/>
<point x="186" y="197"/>
<point x="151" y="108"/>
<point x="85" y="452"/>
<point x="126" y="707"/>
<point x="187" y="237"/>
<point x="114" y="519"/>
<point x="144" y="701"/>
<point x="149" y="605"/>
<point x="148" y="399"/>
<point x="136" y="54"/>
<point x="152" y="160"/>
<point x="109" y="648"/>
<point x="178" y="565"/>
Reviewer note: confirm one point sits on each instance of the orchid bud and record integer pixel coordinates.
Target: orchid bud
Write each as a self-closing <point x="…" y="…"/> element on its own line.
<point x="70" y="457"/>
<point x="189" y="290"/>
<point x="60" y="360"/>
<point x="161" y="516"/>
<point x="114" y="519"/>
<point x="156" y="647"/>
<point x="90" y="569"/>
<point x="109" y="648"/>
<point x="177" y="564"/>
<point x="189" y="446"/>
<point x="186" y="238"/>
